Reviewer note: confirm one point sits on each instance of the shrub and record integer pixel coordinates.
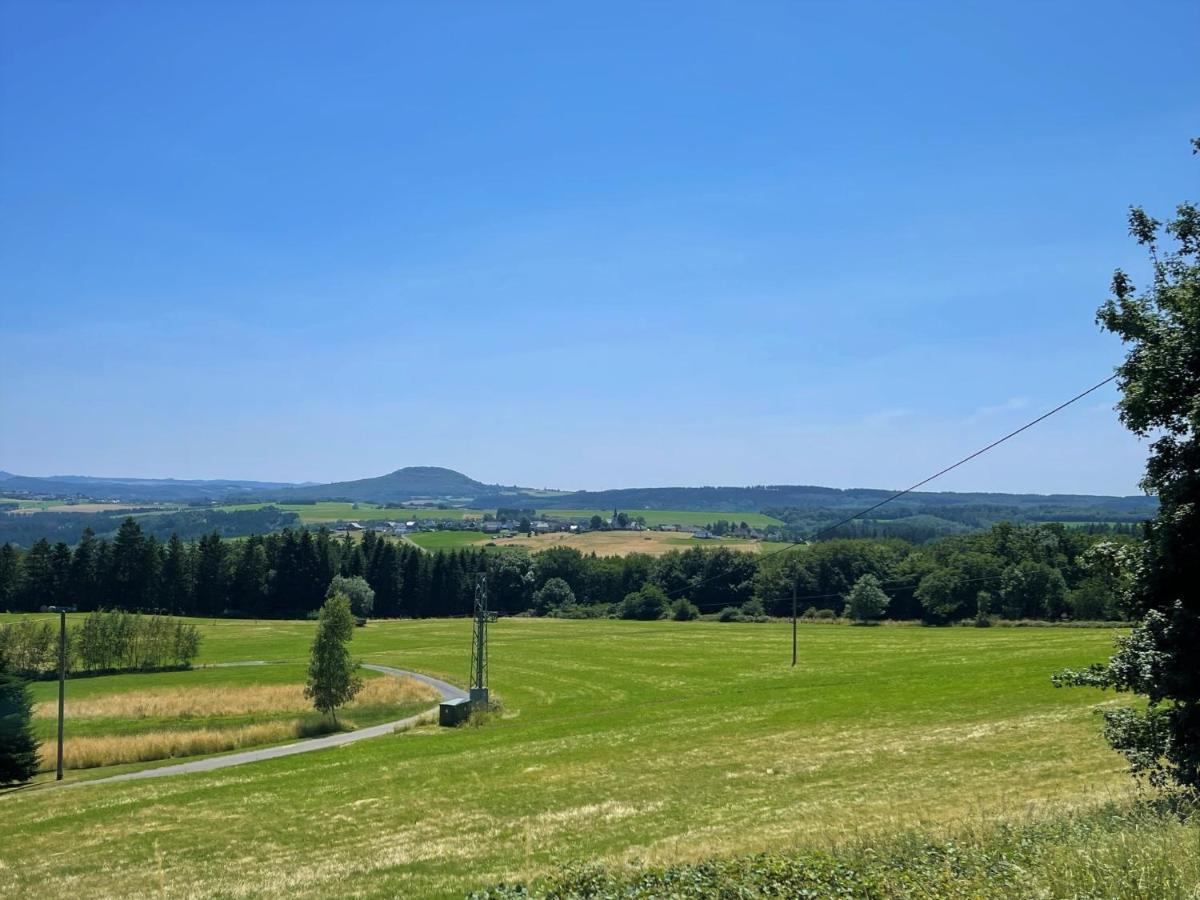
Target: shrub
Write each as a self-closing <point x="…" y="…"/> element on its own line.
<point x="683" y="610"/>
<point x="753" y="610"/>
<point x="728" y="614"/>
<point x="810" y="613"/>
<point x="553" y="595"/>
<point x="866" y="600"/>
<point x="825" y="614"/>
<point x="648" y="603"/>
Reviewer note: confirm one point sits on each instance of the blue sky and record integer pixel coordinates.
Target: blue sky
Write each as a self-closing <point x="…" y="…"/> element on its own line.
<point x="643" y="244"/>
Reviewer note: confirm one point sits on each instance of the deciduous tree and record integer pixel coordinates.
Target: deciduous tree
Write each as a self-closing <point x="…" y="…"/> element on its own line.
<point x="1160" y="387"/>
<point x="331" y="679"/>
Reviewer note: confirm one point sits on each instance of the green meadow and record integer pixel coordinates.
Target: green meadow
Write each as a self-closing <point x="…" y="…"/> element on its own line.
<point x="447" y="540"/>
<point x="658" y="742"/>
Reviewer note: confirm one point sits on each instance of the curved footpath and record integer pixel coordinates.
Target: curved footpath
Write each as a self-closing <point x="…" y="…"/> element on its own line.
<point x="447" y="690"/>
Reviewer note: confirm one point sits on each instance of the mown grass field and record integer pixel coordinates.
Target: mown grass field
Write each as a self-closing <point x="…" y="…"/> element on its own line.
<point x="663" y="742"/>
<point x="448" y="540"/>
<point x="621" y="543"/>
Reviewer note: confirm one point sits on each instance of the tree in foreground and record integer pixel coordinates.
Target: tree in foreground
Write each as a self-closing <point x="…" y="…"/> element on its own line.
<point x="331" y="679"/>
<point x="357" y="590"/>
<point x="866" y="600"/>
<point x="18" y="746"/>
<point x="1160" y="386"/>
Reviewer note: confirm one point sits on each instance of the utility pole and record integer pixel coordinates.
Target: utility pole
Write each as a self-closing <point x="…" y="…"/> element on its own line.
<point x="62" y="681"/>
<point x="479" y="666"/>
<point x="793" y="622"/>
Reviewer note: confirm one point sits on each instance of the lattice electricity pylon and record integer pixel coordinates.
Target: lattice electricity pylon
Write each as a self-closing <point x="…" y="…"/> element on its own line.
<point x="479" y="662"/>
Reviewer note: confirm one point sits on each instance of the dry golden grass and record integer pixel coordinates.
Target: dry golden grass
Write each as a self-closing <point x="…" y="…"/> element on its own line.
<point x="76" y="508"/>
<point x="231" y="701"/>
<point x="117" y="749"/>
<point x="619" y="543"/>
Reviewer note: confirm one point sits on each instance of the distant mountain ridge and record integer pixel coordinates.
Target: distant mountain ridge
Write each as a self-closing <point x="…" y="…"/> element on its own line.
<point x="435" y="484"/>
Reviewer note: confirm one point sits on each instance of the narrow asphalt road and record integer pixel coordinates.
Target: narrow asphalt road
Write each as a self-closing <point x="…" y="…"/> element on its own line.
<point x="447" y="690"/>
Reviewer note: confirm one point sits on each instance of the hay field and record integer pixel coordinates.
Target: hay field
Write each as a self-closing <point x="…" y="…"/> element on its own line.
<point x="660" y="741"/>
<point x="621" y="543"/>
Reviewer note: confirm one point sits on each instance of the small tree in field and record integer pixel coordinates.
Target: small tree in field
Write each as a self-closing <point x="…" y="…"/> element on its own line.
<point x="331" y="679"/>
<point x="866" y="599"/>
<point x="18" y="746"/>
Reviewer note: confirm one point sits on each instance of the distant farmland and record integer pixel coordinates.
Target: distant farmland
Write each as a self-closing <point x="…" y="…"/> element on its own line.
<point x="333" y="511"/>
<point x="619" y="543"/>
<point x="655" y="517"/>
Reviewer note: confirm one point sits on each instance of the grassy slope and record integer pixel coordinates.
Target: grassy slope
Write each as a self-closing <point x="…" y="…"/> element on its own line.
<point x="659" y="741"/>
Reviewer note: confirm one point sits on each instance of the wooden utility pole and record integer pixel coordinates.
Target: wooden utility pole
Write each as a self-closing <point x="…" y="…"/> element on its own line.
<point x="62" y="685"/>
<point x="793" y="622"/>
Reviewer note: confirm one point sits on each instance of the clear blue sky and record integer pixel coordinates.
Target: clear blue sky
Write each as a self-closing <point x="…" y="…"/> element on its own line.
<point x="692" y="243"/>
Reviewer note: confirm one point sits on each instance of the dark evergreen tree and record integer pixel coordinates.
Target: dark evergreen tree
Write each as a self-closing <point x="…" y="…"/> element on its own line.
<point x="175" y="590"/>
<point x="18" y="746"/>
<point x="211" y="582"/>
<point x="37" y="577"/>
<point x="84" y="578"/>
<point x="129" y="580"/>
<point x="60" y="565"/>
<point x="10" y="577"/>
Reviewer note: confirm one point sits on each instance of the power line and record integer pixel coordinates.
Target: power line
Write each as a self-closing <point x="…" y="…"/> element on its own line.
<point x="908" y="490"/>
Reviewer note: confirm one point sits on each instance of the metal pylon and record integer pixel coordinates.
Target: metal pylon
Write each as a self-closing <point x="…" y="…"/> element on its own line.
<point x="479" y="662"/>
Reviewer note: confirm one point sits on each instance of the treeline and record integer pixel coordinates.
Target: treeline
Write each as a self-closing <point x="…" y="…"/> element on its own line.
<point x="104" y="642"/>
<point x="26" y="529"/>
<point x="1015" y="571"/>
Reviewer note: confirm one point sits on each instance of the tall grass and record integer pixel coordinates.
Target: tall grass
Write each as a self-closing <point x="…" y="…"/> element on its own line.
<point x="91" y="751"/>
<point x="118" y="749"/>
<point x="192" y="703"/>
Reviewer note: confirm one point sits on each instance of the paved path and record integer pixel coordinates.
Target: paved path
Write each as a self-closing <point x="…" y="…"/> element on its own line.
<point x="447" y="690"/>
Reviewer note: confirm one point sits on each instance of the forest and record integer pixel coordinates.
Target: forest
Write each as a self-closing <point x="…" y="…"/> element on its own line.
<point x="1011" y="571"/>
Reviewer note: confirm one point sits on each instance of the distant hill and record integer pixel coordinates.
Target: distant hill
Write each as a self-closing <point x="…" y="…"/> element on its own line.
<point x="801" y="506"/>
<point x="133" y="490"/>
<point x="409" y="483"/>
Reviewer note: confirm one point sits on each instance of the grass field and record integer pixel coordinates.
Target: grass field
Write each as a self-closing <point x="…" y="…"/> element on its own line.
<point x="620" y="543"/>
<point x="663" y="742"/>
<point x="655" y="517"/>
<point x="448" y="540"/>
